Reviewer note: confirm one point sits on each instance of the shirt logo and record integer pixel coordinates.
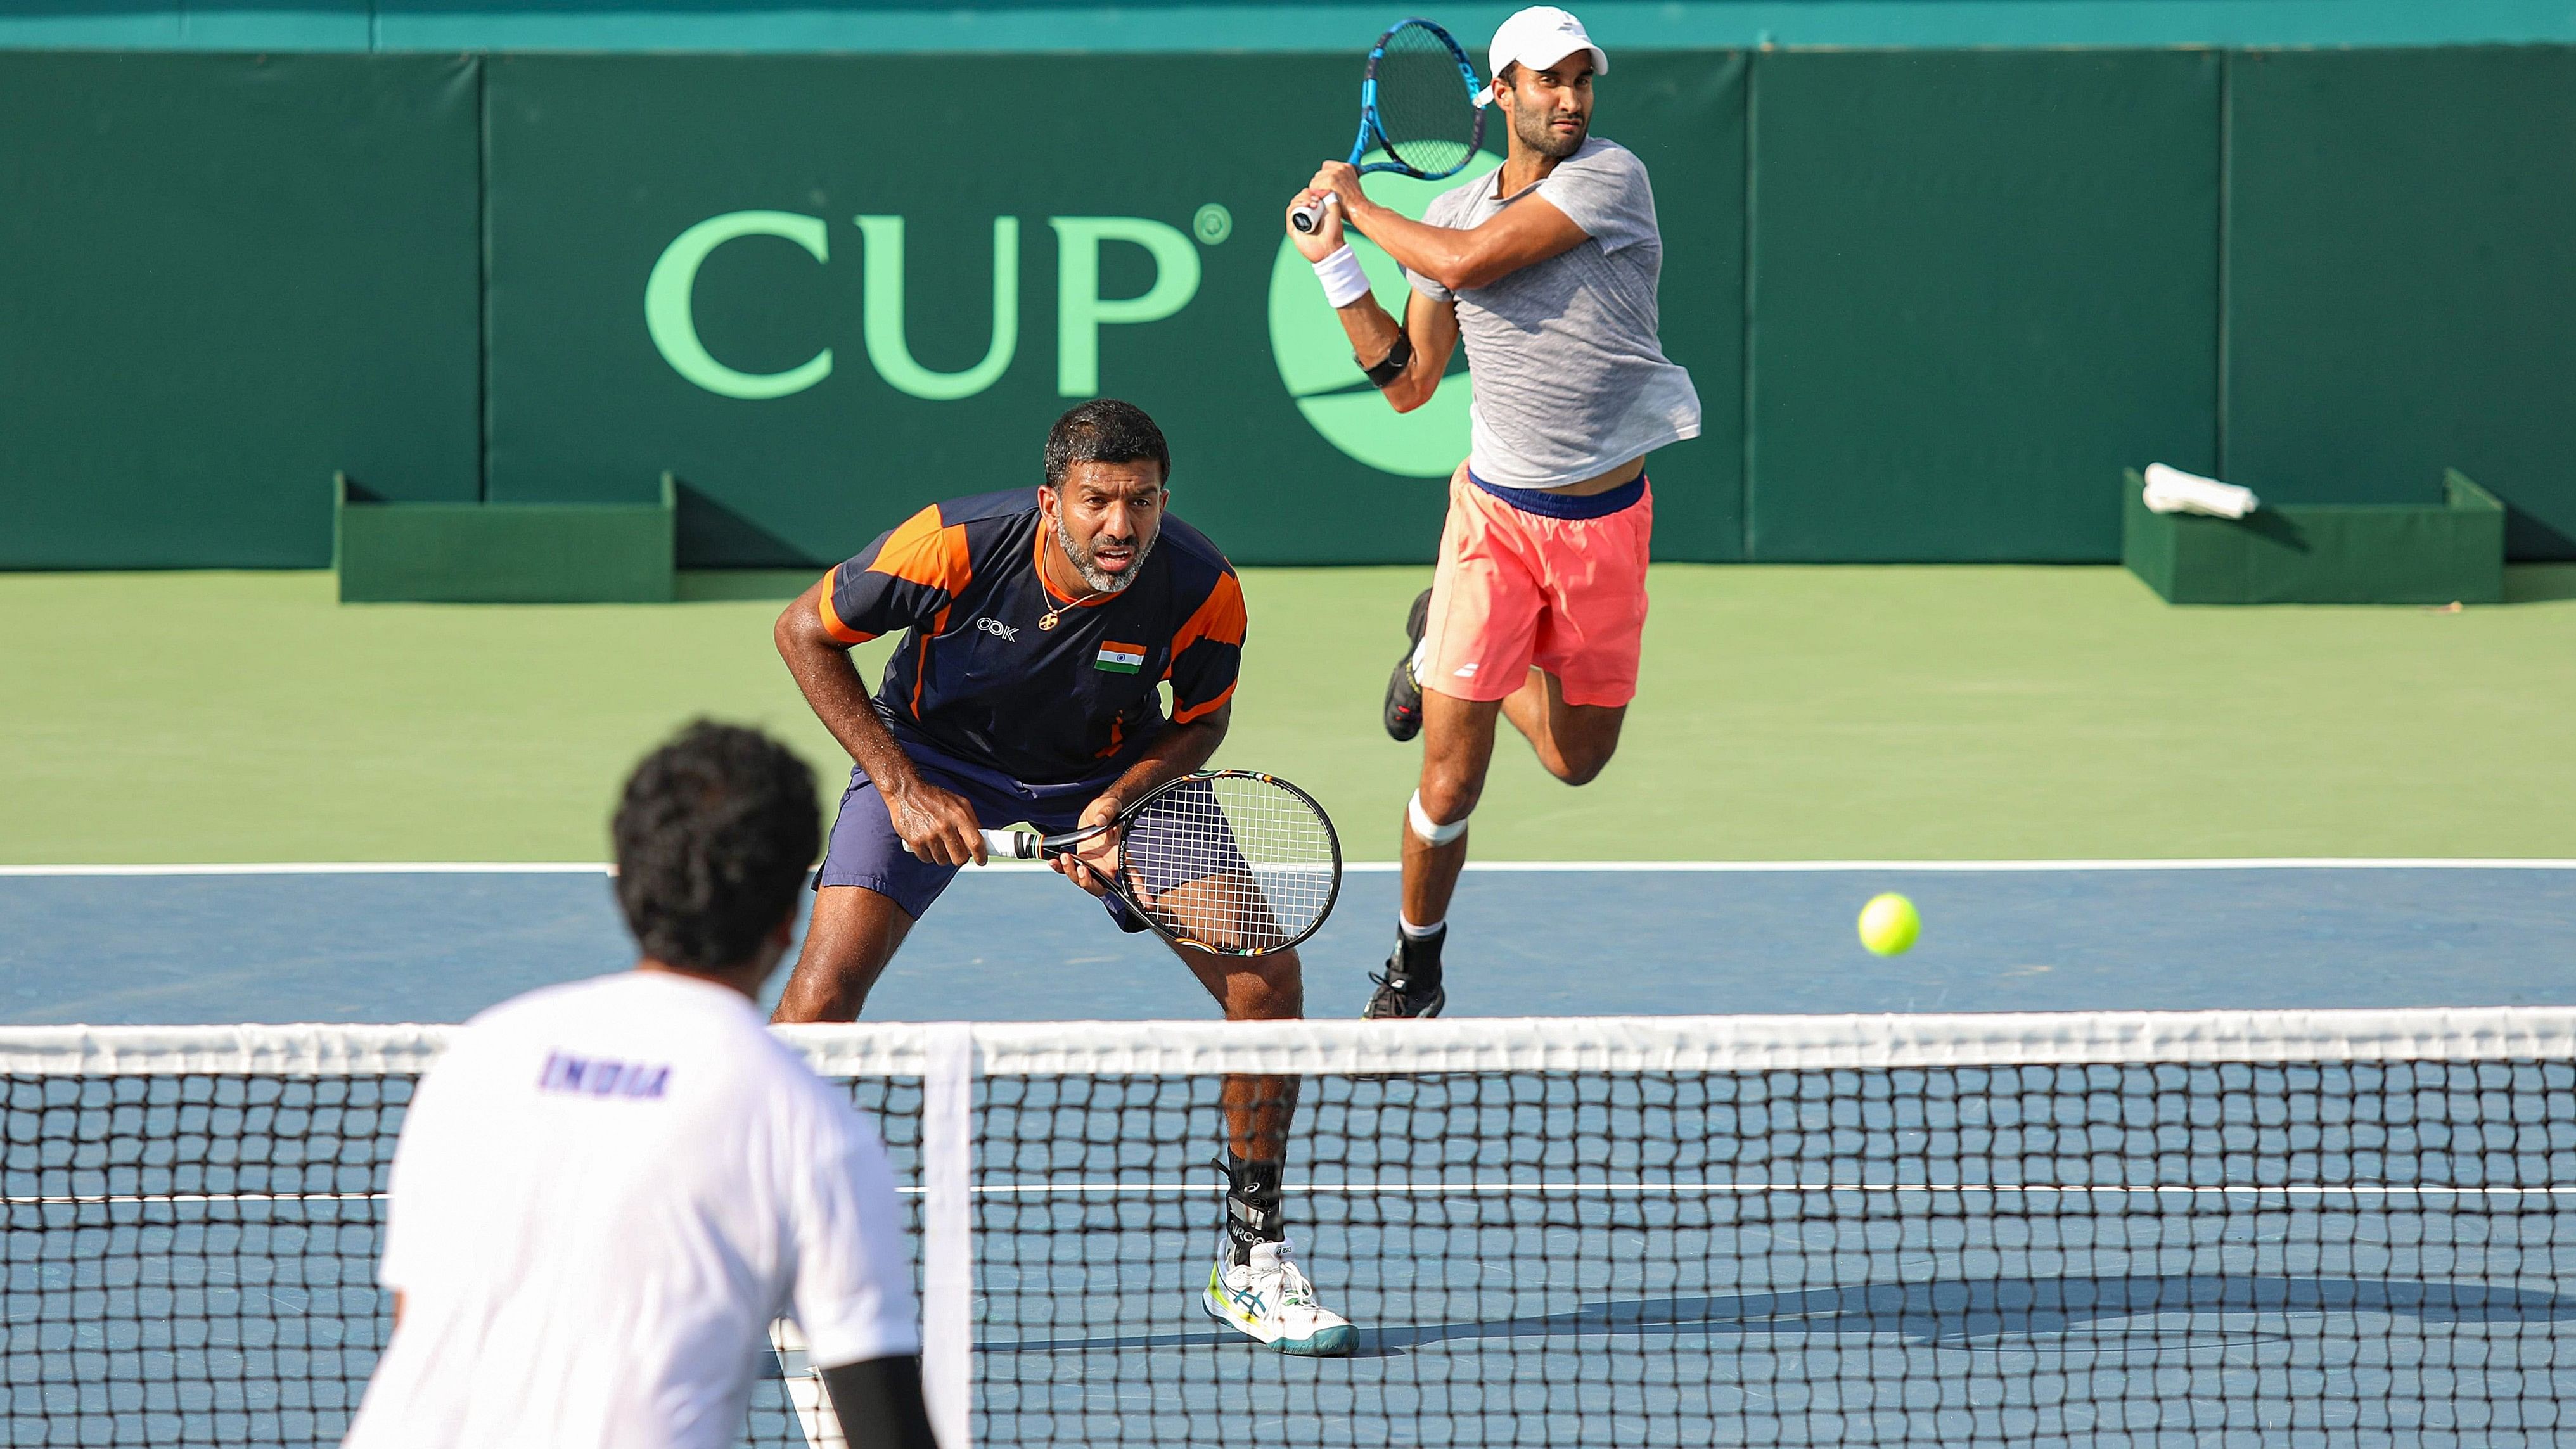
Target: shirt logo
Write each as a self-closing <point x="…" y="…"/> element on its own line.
<point x="585" y="1077"/>
<point x="1120" y="658"/>
<point x="998" y="629"/>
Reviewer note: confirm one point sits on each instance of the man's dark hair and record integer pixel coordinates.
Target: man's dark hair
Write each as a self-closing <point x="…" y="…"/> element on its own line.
<point x="713" y="836"/>
<point x="1104" y="430"/>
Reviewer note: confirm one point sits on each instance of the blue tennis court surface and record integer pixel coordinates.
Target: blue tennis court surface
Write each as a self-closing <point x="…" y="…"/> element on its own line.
<point x="2251" y="1253"/>
<point x="1025" y="945"/>
<point x="2178" y="1252"/>
<point x="2029" y="1256"/>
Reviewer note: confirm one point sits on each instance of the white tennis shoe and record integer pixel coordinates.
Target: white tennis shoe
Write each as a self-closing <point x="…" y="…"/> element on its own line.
<point x="1269" y="1301"/>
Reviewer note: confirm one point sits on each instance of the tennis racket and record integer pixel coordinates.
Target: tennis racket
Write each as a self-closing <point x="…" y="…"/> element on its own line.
<point x="1229" y="861"/>
<point x="1418" y="105"/>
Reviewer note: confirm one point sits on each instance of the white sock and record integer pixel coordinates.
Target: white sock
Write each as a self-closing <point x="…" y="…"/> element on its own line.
<point x="1412" y="932"/>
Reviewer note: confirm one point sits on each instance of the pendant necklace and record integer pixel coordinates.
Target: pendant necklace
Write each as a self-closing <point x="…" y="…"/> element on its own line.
<point x="1047" y="620"/>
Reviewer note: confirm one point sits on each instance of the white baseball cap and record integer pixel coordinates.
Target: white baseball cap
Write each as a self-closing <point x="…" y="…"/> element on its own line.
<point x="1538" y="37"/>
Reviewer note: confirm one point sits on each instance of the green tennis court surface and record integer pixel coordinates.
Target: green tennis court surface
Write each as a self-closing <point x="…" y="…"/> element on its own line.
<point x="1788" y="713"/>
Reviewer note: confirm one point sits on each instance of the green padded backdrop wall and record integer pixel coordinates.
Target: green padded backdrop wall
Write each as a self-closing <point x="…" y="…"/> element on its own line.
<point x="221" y="278"/>
<point x="742" y="270"/>
<point x="1685" y="115"/>
<point x="2402" y="280"/>
<point x="1982" y="284"/>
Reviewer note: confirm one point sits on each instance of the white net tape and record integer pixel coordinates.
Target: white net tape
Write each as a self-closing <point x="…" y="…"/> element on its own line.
<point x="1452" y="1044"/>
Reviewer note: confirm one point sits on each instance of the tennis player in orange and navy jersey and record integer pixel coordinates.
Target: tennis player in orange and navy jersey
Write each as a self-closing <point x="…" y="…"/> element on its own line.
<point x="1038" y="624"/>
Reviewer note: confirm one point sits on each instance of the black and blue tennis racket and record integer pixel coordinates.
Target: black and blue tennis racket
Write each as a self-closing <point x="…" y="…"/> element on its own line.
<point x="1418" y="105"/>
<point x="1230" y="861"/>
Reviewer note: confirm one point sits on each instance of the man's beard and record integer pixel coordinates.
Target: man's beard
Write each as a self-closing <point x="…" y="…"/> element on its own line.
<point x="1537" y="131"/>
<point x="1099" y="580"/>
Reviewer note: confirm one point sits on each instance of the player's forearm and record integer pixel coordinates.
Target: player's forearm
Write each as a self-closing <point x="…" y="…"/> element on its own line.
<point x="839" y="698"/>
<point x="1373" y="336"/>
<point x="1371" y="330"/>
<point x="879" y="1403"/>
<point x="1444" y="254"/>
<point x="1175" y="752"/>
<point x="1522" y="235"/>
<point x="856" y="725"/>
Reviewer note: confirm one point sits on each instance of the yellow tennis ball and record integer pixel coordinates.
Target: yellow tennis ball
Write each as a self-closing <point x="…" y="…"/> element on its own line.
<point x="1889" y="924"/>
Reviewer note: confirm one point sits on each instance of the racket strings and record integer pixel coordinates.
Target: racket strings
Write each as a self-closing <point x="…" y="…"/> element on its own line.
<point x="1236" y="861"/>
<point x="1425" y="113"/>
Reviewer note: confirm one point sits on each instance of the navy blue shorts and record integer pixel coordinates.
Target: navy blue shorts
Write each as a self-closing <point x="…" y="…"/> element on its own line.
<point x="865" y="851"/>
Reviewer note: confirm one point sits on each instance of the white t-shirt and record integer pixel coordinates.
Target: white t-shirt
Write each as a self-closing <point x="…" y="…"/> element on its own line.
<point x="604" y="1193"/>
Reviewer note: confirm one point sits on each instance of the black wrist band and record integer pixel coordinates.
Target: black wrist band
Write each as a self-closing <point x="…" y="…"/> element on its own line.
<point x="1385" y="373"/>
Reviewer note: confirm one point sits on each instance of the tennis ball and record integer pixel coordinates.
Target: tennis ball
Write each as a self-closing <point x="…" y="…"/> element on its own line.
<point x="1888" y="924"/>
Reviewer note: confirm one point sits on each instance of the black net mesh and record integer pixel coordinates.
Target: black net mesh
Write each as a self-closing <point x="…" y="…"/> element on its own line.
<point x="1422" y="103"/>
<point x="2165" y="1254"/>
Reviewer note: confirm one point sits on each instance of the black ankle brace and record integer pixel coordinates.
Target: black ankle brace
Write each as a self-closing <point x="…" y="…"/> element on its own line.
<point x="1251" y="1206"/>
<point x="1417" y="962"/>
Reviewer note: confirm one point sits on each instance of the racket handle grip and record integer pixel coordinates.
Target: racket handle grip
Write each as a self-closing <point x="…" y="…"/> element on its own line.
<point x="1310" y="216"/>
<point x="1010" y="845"/>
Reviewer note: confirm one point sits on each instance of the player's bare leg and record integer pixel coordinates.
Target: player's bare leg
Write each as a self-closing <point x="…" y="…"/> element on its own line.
<point x="1457" y="750"/>
<point x="1254" y="988"/>
<point x="1230" y="907"/>
<point x="854" y="933"/>
<point x="1255" y="1285"/>
<point x="1574" y="742"/>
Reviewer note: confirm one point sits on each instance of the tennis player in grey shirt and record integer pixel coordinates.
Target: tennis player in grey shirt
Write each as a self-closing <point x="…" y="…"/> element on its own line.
<point x="1546" y="270"/>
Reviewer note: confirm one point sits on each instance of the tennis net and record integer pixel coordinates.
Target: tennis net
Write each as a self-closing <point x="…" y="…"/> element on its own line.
<point x="2301" y="1228"/>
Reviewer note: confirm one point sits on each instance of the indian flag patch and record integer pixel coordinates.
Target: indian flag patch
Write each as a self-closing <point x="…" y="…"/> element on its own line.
<point x="1120" y="658"/>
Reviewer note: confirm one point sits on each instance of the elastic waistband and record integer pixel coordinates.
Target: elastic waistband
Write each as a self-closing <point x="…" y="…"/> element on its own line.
<point x="1566" y="505"/>
<point x="929" y="754"/>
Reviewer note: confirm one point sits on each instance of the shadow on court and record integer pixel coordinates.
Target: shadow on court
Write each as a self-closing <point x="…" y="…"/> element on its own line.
<point x="2013" y="1312"/>
<point x="2106" y="1314"/>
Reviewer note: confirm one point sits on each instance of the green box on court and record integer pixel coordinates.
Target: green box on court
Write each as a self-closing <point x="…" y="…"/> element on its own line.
<point x="502" y="553"/>
<point x="2310" y="553"/>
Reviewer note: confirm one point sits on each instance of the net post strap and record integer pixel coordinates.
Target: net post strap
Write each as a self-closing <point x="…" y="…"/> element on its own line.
<point x="948" y="1231"/>
<point x="1446" y="1044"/>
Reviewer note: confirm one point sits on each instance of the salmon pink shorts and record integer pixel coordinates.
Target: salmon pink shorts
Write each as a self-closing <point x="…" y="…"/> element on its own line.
<point x="1534" y="578"/>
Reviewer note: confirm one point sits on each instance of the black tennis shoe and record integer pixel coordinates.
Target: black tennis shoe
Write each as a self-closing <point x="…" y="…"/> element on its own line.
<point x="1403" y="691"/>
<point x="1411" y="985"/>
<point x="1403" y="996"/>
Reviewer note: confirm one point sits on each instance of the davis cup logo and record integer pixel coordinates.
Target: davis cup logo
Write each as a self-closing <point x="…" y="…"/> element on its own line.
<point x="1314" y="356"/>
<point x="1306" y="341"/>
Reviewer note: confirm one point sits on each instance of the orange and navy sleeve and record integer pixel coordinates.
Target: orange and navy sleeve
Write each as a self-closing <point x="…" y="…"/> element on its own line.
<point x="904" y="580"/>
<point x="1207" y="652"/>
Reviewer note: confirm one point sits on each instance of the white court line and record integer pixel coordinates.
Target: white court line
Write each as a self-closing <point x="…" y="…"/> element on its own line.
<point x="321" y="868"/>
<point x="1971" y="867"/>
<point x="1708" y="1189"/>
<point x="1520" y="1189"/>
<point x="1371" y="867"/>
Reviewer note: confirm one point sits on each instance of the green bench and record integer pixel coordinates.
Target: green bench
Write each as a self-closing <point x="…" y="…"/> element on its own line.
<point x="2322" y="553"/>
<point x="502" y="553"/>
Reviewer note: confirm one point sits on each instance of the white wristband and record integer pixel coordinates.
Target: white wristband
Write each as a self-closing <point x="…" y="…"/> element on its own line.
<point x="1344" y="281"/>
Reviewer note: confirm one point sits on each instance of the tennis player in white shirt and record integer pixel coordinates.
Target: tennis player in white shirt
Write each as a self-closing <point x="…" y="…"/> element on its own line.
<point x="605" y="1191"/>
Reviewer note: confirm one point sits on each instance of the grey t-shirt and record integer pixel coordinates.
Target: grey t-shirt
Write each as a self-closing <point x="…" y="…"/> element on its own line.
<point x="1571" y="378"/>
